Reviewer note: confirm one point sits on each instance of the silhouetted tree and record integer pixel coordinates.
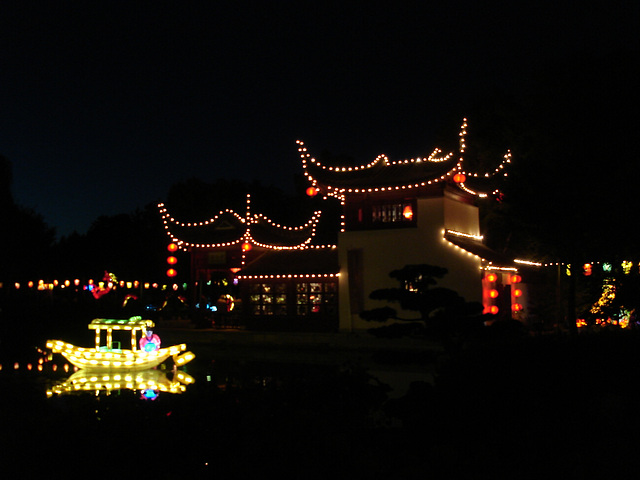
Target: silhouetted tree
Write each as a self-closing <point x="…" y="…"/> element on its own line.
<point x="26" y="239"/>
<point x="440" y="308"/>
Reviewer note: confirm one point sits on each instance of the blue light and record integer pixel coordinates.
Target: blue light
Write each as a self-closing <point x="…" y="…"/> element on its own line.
<point x="150" y="394"/>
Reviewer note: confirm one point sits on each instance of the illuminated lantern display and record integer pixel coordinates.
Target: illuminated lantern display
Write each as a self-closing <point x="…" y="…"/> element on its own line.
<point x="407" y="212"/>
<point x="490" y="293"/>
<point x="459" y="178"/>
<point x="586" y="268"/>
<point x="516" y="294"/>
<point x="312" y="191"/>
<point x="246" y="246"/>
<point x="172" y="260"/>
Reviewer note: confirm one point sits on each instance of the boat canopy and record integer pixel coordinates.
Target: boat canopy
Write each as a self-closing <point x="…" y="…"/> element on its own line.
<point x="133" y="323"/>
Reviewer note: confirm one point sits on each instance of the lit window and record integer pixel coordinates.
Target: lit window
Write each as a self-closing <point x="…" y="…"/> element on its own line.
<point x="268" y="299"/>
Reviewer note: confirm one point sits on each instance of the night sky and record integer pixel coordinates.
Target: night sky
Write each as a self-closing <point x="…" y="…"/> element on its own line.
<point x="104" y="107"/>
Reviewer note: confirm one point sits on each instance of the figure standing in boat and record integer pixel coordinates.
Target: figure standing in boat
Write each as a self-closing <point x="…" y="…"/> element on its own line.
<point x="150" y="342"/>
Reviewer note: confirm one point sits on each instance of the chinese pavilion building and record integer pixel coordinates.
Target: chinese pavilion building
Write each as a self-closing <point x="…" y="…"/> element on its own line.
<point x="284" y="281"/>
<point x="394" y="213"/>
<point x="418" y="211"/>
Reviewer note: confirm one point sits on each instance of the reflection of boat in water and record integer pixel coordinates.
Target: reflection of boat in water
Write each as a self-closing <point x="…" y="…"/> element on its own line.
<point x="110" y="355"/>
<point x="91" y="380"/>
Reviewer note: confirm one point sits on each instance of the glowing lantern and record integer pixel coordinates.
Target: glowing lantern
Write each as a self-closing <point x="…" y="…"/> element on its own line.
<point x="516" y="307"/>
<point x="493" y="293"/>
<point x="459" y="178"/>
<point x="246" y="246"/>
<point x="171" y="260"/>
<point x="312" y="191"/>
<point x="517" y="292"/>
<point x="407" y="212"/>
<point x="586" y="269"/>
<point x="492" y="277"/>
<point x="516" y="278"/>
<point x="494" y="309"/>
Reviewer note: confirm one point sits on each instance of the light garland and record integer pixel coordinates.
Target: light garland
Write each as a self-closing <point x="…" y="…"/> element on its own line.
<point x="246" y="237"/>
<point x="383" y="160"/>
<point x="463" y="235"/>
<point x="471" y="254"/>
<point x="306" y="276"/>
<point x="527" y="262"/>
<point x="492" y="267"/>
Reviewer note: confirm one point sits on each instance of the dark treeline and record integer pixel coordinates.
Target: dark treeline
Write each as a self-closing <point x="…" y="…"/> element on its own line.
<point x="133" y="245"/>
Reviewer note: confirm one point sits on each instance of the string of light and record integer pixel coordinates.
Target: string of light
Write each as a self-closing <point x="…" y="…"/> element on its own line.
<point x="246" y="236"/>
<point x="307" y="276"/>
<point x="340" y="192"/>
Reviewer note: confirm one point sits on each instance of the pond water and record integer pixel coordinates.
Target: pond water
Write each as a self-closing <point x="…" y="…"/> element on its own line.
<point x="250" y="411"/>
<point x="506" y="407"/>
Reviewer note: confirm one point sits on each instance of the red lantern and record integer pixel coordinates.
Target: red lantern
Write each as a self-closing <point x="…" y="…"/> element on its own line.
<point x="246" y="246"/>
<point x="494" y="309"/>
<point x="459" y="178"/>
<point x="172" y="247"/>
<point x="493" y="293"/>
<point x="516" y="307"/>
<point x="516" y="279"/>
<point x="312" y="191"/>
<point x="172" y="272"/>
<point x="172" y="260"/>
<point x="491" y="277"/>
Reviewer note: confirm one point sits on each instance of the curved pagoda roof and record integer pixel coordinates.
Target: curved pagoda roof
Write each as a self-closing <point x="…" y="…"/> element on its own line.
<point x="384" y="175"/>
<point x="228" y="228"/>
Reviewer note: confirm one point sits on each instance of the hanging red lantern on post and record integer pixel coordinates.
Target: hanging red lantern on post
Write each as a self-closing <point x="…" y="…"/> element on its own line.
<point x="312" y="191"/>
<point x="246" y="246"/>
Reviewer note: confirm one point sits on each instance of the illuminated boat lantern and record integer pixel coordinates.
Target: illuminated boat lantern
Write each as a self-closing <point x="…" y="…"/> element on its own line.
<point x="110" y="356"/>
<point x="92" y="380"/>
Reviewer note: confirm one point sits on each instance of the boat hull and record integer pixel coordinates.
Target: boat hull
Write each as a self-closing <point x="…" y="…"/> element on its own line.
<point x="103" y="359"/>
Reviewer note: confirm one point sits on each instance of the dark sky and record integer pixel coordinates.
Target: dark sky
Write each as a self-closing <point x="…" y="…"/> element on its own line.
<point x="104" y="107"/>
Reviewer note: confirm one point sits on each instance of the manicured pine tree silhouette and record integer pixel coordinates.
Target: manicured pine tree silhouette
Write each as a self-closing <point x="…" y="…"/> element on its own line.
<point x="439" y="307"/>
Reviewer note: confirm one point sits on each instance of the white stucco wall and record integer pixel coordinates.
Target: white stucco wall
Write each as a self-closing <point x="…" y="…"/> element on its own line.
<point x="387" y="250"/>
